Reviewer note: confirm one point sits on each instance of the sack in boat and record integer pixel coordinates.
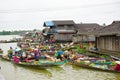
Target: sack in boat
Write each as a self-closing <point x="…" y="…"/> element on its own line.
<point x="117" y="62"/>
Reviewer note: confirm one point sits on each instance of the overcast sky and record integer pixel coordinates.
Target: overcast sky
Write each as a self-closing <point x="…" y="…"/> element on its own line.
<point x="31" y="14"/>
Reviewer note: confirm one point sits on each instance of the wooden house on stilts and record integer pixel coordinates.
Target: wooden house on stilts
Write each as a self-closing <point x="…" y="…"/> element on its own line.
<point x="61" y="30"/>
<point x="108" y="37"/>
<point x="85" y="32"/>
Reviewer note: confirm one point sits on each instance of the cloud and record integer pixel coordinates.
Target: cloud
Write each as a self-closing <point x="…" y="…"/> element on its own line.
<point x="30" y="14"/>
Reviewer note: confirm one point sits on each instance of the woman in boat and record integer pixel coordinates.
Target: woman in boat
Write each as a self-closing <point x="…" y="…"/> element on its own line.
<point x="16" y="58"/>
<point x="36" y="53"/>
<point x="1" y="51"/>
<point x="31" y="50"/>
<point x="71" y="55"/>
<point x="117" y="66"/>
<point x="10" y="53"/>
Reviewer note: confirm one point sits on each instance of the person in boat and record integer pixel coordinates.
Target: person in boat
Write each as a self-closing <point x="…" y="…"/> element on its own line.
<point x="16" y="58"/>
<point x="36" y="53"/>
<point x="20" y="52"/>
<point x="1" y="51"/>
<point x="42" y="54"/>
<point x="62" y="46"/>
<point x="59" y="54"/>
<point x="71" y="54"/>
<point x="40" y="45"/>
<point x="81" y="45"/>
<point x="51" y="41"/>
<point x="28" y="58"/>
<point x="31" y="50"/>
<point x="66" y="54"/>
<point x="50" y="47"/>
<point x="71" y="44"/>
<point x="117" y="66"/>
<point x="95" y="48"/>
<point x="10" y="53"/>
<point x="23" y="56"/>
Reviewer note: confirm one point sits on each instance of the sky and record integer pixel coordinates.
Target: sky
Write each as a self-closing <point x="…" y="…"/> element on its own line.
<point x="31" y="14"/>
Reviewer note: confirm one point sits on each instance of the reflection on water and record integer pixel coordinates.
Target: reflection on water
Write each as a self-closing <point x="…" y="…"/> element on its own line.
<point x="41" y="71"/>
<point x="15" y="72"/>
<point x="64" y="72"/>
<point x="55" y="68"/>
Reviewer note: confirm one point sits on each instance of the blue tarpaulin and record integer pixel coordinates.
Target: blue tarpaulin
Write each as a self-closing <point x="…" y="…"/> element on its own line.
<point x="48" y="23"/>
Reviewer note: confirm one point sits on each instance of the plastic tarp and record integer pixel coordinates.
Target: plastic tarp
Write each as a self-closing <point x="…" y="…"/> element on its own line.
<point x="48" y="23"/>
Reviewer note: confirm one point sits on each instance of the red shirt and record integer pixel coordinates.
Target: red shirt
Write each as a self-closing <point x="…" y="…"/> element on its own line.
<point x="117" y="67"/>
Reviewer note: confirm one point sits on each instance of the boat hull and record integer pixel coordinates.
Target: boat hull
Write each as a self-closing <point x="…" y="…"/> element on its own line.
<point x="94" y="68"/>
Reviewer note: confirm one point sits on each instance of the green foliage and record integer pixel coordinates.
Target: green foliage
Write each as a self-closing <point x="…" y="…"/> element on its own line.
<point x="11" y="32"/>
<point x="118" y="54"/>
<point x="82" y="62"/>
<point x="1" y="51"/>
<point x="113" y="63"/>
<point x="5" y="33"/>
<point x="80" y="50"/>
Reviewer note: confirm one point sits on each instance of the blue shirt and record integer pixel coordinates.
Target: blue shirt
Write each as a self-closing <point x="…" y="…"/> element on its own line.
<point x="60" y="52"/>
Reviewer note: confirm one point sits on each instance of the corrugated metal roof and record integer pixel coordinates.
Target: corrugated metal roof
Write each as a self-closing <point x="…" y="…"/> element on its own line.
<point x="48" y="23"/>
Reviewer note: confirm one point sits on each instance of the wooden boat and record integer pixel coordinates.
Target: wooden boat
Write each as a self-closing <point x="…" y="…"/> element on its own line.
<point x="115" y="58"/>
<point x="50" y="52"/>
<point x="1" y="52"/>
<point x="40" y="63"/>
<point x="110" y="69"/>
<point x="97" y="52"/>
<point x="5" y="58"/>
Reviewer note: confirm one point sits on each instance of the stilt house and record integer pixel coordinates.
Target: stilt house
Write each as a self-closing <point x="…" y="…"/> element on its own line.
<point x="108" y="38"/>
<point x="62" y="30"/>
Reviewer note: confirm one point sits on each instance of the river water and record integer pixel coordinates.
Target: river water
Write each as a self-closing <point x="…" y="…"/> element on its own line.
<point x="65" y="72"/>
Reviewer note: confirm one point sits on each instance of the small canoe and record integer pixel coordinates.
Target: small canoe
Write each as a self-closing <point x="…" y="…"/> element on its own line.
<point x="95" y="67"/>
<point x="115" y="58"/>
<point x="40" y="63"/>
<point x="103" y="63"/>
<point x="5" y="58"/>
<point x="98" y="53"/>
